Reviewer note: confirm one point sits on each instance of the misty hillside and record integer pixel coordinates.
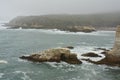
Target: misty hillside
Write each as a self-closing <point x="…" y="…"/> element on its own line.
<point x="99" y="21"/>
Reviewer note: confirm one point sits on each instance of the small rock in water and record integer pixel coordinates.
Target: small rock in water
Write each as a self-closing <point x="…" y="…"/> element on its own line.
<point x="91" y="54"/>
<point x="70" y="47"/>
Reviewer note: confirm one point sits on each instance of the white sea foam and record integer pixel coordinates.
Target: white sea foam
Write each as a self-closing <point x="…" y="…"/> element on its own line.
<point x="25" y="76"/>
<point x="2" y="23"/>
<point x="3" y="27"/>
<point x="1" y="75"/>
<point x="3" y="61"/>
<point x="59" y="65"/>
<point x="55" y="31"/>
<point x="81" y="50"/>
<point x="21" y="60"/>
<point x="52" y="31"/>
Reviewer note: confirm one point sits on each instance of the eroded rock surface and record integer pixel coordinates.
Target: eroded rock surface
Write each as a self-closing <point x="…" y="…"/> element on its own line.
<point x="54" y="55"/>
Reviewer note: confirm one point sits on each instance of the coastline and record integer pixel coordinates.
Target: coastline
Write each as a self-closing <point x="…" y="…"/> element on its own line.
<point x="55" y="29"/>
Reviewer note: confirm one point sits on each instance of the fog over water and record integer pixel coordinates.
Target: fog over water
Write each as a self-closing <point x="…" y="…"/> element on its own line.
<point x="12" y="8"/>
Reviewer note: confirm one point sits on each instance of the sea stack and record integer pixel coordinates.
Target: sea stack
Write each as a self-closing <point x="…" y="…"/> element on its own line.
<point x="116" y="49"/>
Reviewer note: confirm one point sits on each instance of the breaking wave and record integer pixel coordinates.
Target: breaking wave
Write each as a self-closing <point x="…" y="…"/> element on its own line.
<point x="3" y="62"/>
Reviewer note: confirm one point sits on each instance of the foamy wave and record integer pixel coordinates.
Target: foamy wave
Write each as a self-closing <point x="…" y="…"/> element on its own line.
<point x="59" y="65"/>
<point x="101" y="33"/>
<point x="55" y="31"/>
<point x="81" y="50"/>
<point x="64" y="66"/>
<point x="2" y="23"/>
<point x="2" y="27"/>
<point x="1" y="75"/>
<point x="3" y="61"/>
<point x="25" y="76"/>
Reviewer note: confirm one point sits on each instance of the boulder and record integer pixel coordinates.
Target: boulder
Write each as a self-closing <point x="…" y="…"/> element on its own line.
<point x="91" y="54"/>
<point x="54" y="55"/>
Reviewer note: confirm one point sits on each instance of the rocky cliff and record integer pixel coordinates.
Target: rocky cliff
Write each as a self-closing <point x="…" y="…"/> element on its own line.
<point x="72" y="23"/>
<point x="116" y="47"/>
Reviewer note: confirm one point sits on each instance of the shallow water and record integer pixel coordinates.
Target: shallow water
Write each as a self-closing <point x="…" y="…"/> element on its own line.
<point x="17" y="42"/>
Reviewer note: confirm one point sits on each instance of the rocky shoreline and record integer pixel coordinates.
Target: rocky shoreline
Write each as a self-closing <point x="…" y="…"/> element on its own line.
<point x="112" y="57"/>
<point x="85" y="29"/>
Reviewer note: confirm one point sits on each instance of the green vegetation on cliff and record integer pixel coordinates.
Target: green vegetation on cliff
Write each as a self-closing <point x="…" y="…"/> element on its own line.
<point x="65" y="22"/>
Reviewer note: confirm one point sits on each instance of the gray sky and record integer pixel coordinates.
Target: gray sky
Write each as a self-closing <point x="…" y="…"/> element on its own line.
<point x="12" y="8"/>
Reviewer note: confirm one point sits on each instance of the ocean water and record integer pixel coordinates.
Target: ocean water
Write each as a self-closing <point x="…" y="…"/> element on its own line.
<point x="17" y="42"/>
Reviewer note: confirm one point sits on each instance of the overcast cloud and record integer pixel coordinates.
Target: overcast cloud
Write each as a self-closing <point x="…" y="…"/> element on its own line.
<point x="12" y="8"/>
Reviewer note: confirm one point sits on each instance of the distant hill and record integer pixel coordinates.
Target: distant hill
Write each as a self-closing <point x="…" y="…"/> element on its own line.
<point x="107" y="21"/>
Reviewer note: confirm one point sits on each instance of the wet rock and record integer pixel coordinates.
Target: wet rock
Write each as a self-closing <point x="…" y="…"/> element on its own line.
<point x="108" y="60"/>
<point x="54" y="55"/>
<point x="91" y="54"/>
<point x="104" y="52"/>
<point x="104" y="49"/>
<point x="112" y="57"/>
<point x="70" y="47"/>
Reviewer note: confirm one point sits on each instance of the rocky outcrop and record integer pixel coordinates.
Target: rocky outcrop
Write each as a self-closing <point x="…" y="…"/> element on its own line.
<point x="112" y="57"/>
<point x="82" y="29"/>
<point x="54" y="55"/>
<point x="91" y="54"/>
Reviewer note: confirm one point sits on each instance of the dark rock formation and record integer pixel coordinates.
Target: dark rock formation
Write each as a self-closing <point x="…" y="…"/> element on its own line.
<point x="81" y="29"/>
<point x="104" y="49"/>
<point x="70" y="47"/>
<point x="110" y="60"/>
<point x="54" y="55"/>
<point x="104" y="52"/>
<point x="91" y="54"/>
<point x="112" y="57"/>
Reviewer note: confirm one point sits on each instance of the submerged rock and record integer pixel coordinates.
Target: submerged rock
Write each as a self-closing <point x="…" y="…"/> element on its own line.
<point x="112" y="57"/>
<point x="91" y="54"/>
<point x="54" y="55"/>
